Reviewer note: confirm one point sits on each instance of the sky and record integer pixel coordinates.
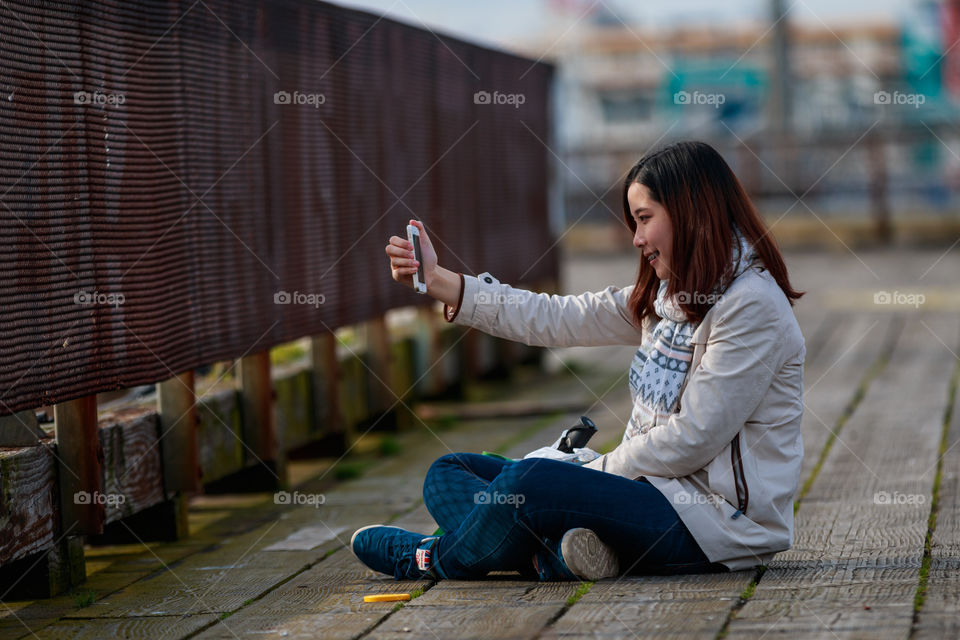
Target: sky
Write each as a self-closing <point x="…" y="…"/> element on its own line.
<point x="500" y="22"/>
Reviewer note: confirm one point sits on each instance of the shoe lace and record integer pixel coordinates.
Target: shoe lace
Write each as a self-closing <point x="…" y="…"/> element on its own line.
<point x="406" y="566"/>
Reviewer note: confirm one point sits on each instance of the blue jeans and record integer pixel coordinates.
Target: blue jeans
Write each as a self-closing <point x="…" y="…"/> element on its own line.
<point x="497" y="514"/>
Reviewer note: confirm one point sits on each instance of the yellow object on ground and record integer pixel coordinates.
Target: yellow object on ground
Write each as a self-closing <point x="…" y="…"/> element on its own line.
<point x="387" y="597"/>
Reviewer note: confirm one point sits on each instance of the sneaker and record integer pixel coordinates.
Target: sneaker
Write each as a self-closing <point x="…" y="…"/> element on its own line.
<point x="587" y="557"/>
<point x="548" y="565"/>
<point x="403" y="554"/>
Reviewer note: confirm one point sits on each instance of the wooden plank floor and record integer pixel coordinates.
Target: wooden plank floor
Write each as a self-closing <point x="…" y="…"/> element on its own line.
<point x="881" y="442"/>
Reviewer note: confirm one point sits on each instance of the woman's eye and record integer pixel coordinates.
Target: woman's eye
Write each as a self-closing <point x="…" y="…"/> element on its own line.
<point x="643" y="218"/>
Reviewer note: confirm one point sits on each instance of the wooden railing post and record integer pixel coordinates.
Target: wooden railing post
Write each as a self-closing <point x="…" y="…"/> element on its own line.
<point x="179" y="448"/>
<point x="176" y="404"/>
<point x="380" y="360"/>
<point x="326" y="390"/>
<point x="259" y="423"/>
<point x="82" y="507"/>
<point x="428" y="328"/>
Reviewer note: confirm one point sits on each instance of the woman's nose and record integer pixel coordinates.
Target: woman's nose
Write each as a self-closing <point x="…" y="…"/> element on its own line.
<point x="638" y="240"/>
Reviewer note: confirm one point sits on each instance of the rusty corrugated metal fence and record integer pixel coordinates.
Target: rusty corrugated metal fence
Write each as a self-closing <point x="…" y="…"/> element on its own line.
<point x="168" y="168"/>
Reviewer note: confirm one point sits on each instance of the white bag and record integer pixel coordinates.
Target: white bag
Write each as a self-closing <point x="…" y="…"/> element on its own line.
<point x="579" y="456"/>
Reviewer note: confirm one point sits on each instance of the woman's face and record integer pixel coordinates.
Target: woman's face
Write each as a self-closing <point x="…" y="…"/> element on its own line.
<point x="654" y="236"/>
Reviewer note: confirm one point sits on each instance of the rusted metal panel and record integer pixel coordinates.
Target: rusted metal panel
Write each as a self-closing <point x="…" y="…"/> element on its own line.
<point x="167" y="169"/>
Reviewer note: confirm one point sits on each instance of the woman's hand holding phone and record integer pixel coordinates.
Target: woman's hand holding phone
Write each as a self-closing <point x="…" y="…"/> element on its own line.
<point x="403" y="262"/>
<point x="442" y="284"/>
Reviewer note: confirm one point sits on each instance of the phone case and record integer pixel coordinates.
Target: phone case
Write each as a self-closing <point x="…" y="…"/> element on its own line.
<point x="413" y="235"/>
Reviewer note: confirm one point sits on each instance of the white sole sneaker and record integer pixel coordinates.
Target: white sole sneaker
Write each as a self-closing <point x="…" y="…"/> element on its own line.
<point x="354" y="536"/>
<point x="587" y="556"/>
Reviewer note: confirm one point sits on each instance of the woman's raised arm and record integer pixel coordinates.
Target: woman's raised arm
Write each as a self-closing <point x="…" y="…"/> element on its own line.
<point x="536" y="319"/>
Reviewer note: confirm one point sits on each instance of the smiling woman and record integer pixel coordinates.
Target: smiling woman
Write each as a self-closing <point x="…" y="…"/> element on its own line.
<point x="705" y="475"/>
<point x="653" y="231"/>
<point x="707" y="206"/>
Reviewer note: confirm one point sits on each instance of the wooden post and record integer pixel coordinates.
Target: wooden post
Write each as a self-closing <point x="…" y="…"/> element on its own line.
<point x="176" y="404"/>
<point x="380" y="361"/>
<point x="177" y="409"/>
<point x="470" y="367"/>
<point x="82" y="509"/>
<point x="259" y="425"/>
<point x="428" y="323"/>
<point x="879" y="203"/>
<point x="326" y="390"/>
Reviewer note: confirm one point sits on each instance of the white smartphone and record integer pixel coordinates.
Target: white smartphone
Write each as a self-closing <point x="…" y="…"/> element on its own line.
<point x="413" y="235"/>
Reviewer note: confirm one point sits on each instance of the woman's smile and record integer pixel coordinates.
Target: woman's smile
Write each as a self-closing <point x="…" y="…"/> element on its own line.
<point x="653" y="231"/>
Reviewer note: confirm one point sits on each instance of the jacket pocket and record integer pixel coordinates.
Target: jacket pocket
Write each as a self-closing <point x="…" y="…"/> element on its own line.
<point x="739" y="477"/>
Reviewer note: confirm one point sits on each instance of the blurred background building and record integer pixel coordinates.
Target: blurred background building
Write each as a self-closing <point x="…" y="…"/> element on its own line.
<point x="830" y="115"/>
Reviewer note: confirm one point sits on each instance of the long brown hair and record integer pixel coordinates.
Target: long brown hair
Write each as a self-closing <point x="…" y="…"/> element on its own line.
<point x="705" y="201"/>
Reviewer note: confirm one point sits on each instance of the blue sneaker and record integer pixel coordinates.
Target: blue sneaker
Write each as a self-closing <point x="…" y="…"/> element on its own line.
<point x="403" y="554"/>
<point x="548" y="565"/>
<point x="581" y="555"/>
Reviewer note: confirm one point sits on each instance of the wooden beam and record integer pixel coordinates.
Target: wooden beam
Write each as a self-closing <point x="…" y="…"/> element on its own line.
<point x="45" y="574"/>
<point x="20" y="430"/>
<point x="27" y="510"/>
<point x="82" y="508"/>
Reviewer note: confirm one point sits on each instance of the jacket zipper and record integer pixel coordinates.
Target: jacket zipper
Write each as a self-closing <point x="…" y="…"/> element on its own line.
<point x="739" y="478"/>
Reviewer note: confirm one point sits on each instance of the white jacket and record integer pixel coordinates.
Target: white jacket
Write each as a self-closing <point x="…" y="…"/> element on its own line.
<point x="729" y="459"/>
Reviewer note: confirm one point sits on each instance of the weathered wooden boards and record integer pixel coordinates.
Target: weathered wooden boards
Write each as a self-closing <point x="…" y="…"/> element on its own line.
<point x="494" y="608"/>
<point x="27" y="493"/>
<point x="851" y="352"/>
<point x="301" y="591"/>
<point x="653" y="607"/>
<point x="853" y="570"/>
<point x="132" y="465"/>
<point x="128" y="480"/>
<point x="940" y="615"/>
<point x="176" y="626"/>
<point x="219" y="434"/>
